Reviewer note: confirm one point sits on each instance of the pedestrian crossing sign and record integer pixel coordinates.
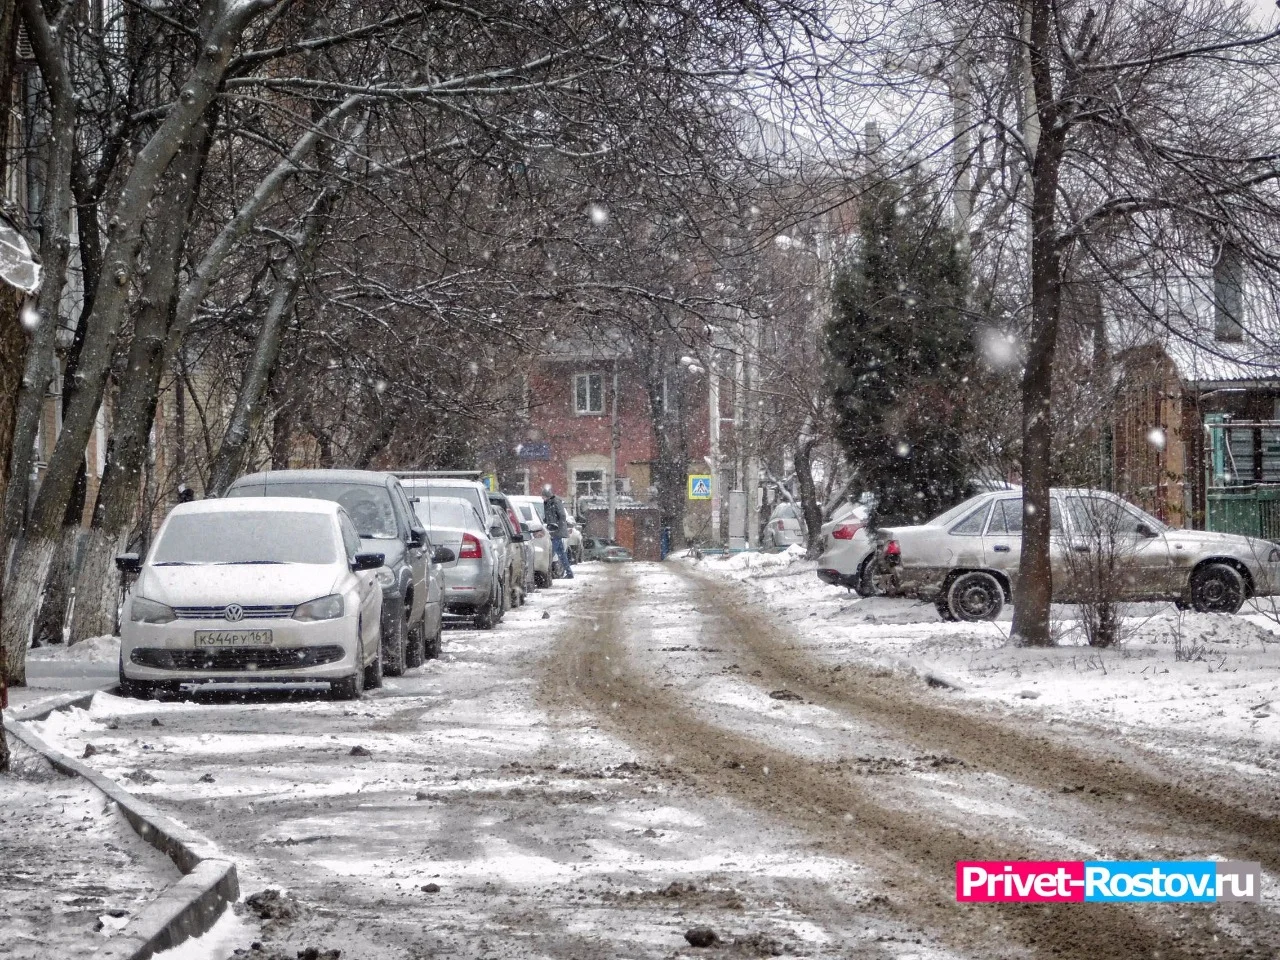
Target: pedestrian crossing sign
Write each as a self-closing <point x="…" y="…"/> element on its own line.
<point x="699" y="486"/>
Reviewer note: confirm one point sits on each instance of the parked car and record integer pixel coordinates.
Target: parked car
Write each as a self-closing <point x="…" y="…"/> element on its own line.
<point x="521" y="581"/>
<point x="616" y="554"/>
<point x="573" y="540"/>
<point x="270" y="591"/>
<point x="847" y="550"/>
<point x="784" y="528"/>
<point x="530" y="509"/>
<point x="471" y="490"/>
<point x="472" y="585"/>
<point x="412" y="613"/>
<point x="966" y="560"/>
<point x="594" y="548"/>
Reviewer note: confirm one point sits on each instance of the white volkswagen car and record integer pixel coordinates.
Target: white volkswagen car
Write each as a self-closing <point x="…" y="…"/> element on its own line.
<point x="260" y="591"/>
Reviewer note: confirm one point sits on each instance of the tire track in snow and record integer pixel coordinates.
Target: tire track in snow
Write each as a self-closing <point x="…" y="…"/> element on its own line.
<point x="596" y="668"/>
<point x="1029" y="755"/>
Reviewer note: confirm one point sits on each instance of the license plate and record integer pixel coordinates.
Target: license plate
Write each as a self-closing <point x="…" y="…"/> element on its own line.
<point x="233" y="638"/>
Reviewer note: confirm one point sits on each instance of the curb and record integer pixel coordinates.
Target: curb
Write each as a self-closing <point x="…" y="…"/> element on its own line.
<point x="185" y="909"/>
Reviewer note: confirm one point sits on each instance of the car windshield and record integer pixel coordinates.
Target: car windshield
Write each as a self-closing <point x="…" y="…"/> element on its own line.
<point x="446" y="513"/>
<point x="368" y="505"/>
<point x="246" y="537"/>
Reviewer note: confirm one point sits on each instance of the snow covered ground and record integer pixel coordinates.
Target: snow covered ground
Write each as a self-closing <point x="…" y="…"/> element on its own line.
<point x="1213" y="677"/>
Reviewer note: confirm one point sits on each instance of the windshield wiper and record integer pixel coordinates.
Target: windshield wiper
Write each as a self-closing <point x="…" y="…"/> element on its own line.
<point x="173" y="563"/>
<point x="236" y="563"/>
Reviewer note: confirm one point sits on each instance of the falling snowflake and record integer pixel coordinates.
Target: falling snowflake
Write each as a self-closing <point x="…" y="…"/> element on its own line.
<point x="903" y="449"/>
<point x="1156" y="437"/>
<point x="599" y="214"/>
<point x="30" y="318"/>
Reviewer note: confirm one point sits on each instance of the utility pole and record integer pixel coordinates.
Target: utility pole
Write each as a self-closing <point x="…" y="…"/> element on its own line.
<point x="613" y="456"/>
<point x="751" y="429"/>
<point x="713" y="437"/>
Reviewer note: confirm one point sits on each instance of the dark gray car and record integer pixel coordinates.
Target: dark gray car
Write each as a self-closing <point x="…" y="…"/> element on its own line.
<point x="411" y="584"/>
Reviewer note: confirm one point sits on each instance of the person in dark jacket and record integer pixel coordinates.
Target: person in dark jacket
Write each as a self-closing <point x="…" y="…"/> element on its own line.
<point x="557" y="522"/>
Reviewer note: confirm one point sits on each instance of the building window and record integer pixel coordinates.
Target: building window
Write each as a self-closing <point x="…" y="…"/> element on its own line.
<point x="588" y="483"/>
<point x="522" y="482"/>
<point x="588" y="393"/>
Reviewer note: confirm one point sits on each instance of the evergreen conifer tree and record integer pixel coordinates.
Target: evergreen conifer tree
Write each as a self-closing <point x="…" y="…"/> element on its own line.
<point x="899" y="348"/>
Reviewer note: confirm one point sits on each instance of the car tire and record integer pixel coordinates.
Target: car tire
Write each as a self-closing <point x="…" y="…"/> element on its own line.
<point x="866" y="577"/>
<point x="393" y="650"/>
<point x="975" y="596"/>
<point x="348" y="688"/>
<point x="1217" y="588"/>
<point x="416" y="650"/>
<point x="486" y="617"/>
<point x="373" y="672"/>
<point x="944" y="611"/>
<point x="436" y="644"/>
<point x="541" y="580"/>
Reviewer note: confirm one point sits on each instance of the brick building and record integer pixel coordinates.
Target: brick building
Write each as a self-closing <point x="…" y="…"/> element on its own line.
<point x="578" y="396"/>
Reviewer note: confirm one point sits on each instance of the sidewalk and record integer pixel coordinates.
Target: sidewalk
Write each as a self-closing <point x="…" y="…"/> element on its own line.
<point x="72" y="870"/>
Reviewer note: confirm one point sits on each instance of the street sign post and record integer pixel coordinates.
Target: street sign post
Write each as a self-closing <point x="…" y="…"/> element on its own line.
<point x="699" y="486"/>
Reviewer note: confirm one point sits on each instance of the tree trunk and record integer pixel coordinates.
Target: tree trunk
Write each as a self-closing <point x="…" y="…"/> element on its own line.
<point x="97" y="580"/>
<point x="1034" y="592"/>
<point x="809" y="498"/>
<point x="220" y="29"/>
<point x="12" y="348"/>
<point x="55" y="251"/>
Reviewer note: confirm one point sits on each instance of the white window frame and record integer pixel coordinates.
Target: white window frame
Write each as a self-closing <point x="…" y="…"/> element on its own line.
<point x="596" y="485"/>
<point x="589" y="410"/>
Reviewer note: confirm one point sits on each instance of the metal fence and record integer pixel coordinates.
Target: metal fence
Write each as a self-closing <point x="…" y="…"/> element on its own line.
<point x="1253" y="510"/>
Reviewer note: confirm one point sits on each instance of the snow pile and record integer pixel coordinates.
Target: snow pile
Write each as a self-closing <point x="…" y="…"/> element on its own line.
<point x="104" y="649"/>
<point x="751" y="564"/>
<point x="1211" y="679"/>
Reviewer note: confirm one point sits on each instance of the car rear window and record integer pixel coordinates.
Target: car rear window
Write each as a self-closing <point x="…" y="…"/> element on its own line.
<point x="250" y="536"/>
<point x="971" y="526"/>
<point x="368" y="505"/>
<point x="446" y="513"/>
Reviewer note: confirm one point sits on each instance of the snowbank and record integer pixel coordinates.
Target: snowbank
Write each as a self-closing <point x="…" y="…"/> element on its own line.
<point x="96" y="649"/>
<point x="1206" y="677"/>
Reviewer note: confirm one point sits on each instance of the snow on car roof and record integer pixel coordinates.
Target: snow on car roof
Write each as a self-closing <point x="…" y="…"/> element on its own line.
<point x="372" y="477"/>
<point x="258" y="505"/>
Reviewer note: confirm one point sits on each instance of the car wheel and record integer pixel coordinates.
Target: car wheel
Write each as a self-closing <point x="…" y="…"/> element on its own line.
<point x="944" y="611"/>
<point x="542" y="580"/>
<point x="373" y="672"/>
<point x="1217" y="588"/>
<point x="436" y="643"/>
<point x="393" y="650"/>
<point x="487" y="616"/>
<point x="348" y="688"/>
<point x="416" y="650"/>
<point x="867" y="577"/>
<point x="975" y="596"/>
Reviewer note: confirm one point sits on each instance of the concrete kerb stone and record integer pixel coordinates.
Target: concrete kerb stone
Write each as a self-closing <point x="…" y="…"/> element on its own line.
<point x="185" y="909"/>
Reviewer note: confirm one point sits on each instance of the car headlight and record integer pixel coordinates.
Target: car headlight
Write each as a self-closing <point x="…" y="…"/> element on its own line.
<point x="385" y="577"/>
<point x="1274" y="555"/>
<point x="142" y="610"/>
<point x="326" y="608"/>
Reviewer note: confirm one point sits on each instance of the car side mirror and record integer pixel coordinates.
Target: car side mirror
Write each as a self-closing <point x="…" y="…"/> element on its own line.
<point x="417" y="538"/>
<point x="129" y="563"/>
<point x="443" y="555"/>
<point x="1143" y="530"/>
<point x="496" y="530"/>
<point x="367" y="561"/>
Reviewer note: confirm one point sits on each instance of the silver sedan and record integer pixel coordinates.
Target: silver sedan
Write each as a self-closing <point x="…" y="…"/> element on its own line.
<point x="966" y="560"/>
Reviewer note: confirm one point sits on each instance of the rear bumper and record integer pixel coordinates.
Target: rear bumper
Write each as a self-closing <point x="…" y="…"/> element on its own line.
<point x="836" y="578"/>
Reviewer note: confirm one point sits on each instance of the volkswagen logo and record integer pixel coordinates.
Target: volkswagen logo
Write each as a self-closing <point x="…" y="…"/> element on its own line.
<point x="233" y="612"/>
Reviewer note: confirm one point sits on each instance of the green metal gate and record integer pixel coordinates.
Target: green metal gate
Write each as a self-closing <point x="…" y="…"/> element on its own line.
<point x="1253" y="511"/>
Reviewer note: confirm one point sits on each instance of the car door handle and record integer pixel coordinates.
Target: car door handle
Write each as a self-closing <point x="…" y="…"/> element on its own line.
<point x="1001" y="548"/>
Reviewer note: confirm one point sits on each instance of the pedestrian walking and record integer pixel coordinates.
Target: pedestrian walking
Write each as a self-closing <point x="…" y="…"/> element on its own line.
<point x="557" y="522"/>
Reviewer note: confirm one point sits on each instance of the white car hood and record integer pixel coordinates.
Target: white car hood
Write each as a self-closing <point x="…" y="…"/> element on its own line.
<point x="246" y="584"/>
<point x="1227" y="542"/>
